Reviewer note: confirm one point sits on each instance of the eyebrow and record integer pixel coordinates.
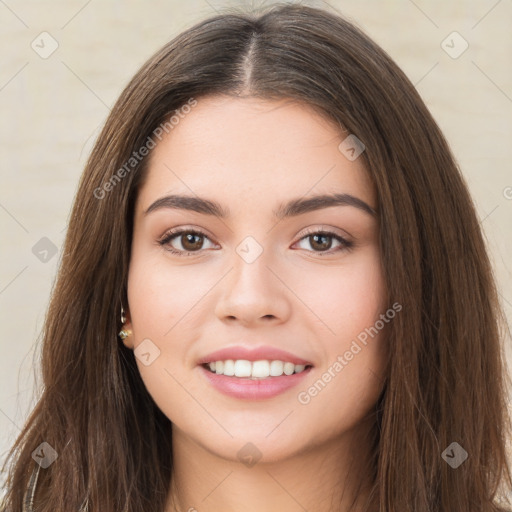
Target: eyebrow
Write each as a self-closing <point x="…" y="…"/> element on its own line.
<point x="292" y="208"/>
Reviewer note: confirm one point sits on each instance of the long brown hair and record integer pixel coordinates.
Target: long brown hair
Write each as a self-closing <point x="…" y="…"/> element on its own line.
<point x="446" y="379"/>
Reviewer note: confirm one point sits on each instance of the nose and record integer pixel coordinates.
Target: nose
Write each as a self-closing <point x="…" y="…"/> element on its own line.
<point x="254" y="292"/>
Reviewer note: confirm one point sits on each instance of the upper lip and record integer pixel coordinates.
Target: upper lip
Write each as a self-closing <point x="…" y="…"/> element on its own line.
<point x="253" y="354"/>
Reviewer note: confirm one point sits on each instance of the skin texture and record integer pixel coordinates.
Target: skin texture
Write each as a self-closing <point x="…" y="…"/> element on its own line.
<point x="250" y="156"/>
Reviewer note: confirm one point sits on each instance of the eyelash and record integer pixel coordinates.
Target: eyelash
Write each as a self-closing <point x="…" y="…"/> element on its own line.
<point x="346" y="245"/>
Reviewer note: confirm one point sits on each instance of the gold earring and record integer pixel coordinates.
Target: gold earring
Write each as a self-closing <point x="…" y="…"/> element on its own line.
<point x="124" y="333"/>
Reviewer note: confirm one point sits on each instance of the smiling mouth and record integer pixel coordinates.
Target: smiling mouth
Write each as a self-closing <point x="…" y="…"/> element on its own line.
<point x="255" y="370"/>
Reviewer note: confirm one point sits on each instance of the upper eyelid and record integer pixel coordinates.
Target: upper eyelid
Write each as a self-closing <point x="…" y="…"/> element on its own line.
<point x="332" y="231"/>
<point x="171" y="233"/>
<point x="175" y="232"/>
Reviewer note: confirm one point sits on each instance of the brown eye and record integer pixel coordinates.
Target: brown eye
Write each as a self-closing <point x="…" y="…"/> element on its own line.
<point x="185" y="241"/>
<point x="320" y="242"/>
<point x="191" y="241"/>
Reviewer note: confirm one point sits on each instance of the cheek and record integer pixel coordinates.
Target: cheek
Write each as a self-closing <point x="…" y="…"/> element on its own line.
<point x="347" y="298"/>
<point x="161" y="294"/>
<point x="350" y="301"/>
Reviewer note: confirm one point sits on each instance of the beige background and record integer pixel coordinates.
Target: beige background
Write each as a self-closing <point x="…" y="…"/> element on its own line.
<point x="52" y="108"/>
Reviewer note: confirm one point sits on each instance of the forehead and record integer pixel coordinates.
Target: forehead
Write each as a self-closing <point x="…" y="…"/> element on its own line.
<point x="255" y="151"/>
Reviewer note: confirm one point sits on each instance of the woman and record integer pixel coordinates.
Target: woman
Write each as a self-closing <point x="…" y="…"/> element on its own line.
<point x="274" y="293"/>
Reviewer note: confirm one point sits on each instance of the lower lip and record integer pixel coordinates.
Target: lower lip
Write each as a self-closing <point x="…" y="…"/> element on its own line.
<point x="253" y="389"/>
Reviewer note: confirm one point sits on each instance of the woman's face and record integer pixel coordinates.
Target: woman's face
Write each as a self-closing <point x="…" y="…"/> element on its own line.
<point x="260" y="283"/>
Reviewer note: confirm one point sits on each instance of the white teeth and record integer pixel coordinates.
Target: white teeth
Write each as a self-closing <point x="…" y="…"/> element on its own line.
<point x="276" y="368"/>
<point x="229" y="367"/>
<point x="255" y="369"/>
<point x="260" y="369"/>
<point x="242" y="368"/>
<point x="289" y="368"/>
